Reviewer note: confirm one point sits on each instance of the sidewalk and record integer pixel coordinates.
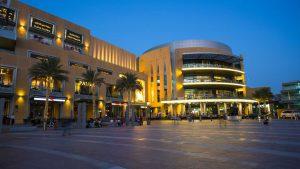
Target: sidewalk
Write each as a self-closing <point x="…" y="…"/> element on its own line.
<point x="18" y="128"/>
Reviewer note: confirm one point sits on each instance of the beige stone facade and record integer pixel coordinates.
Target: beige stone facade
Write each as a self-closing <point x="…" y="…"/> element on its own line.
<point x="33" y="34"/>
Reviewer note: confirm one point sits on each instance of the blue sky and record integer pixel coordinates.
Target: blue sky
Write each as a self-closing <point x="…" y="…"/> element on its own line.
<point x="266" y="32"/>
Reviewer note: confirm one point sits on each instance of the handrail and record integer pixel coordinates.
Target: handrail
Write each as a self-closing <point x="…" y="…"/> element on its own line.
<point x="199" y="65"/>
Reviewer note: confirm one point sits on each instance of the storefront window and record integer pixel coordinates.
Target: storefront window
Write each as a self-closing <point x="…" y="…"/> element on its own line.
<point x="111" y="92"/>
<point x="6" y="77"/>
<point x="82" y="87"/>
<point x="38" y="84"/>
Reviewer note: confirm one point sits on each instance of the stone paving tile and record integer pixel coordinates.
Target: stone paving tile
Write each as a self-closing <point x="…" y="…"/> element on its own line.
<point x="203" y="144"/>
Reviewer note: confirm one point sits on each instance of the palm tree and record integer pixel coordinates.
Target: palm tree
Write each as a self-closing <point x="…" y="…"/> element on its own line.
<point x="128" y="83"/>
<point x="263" y="95"/>
<point x="48" y="70"/>
<point x="93" y="80"/>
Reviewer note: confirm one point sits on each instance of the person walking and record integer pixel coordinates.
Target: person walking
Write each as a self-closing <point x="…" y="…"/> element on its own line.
<point x="12" y="118"/>
<point x="66" y="124"/>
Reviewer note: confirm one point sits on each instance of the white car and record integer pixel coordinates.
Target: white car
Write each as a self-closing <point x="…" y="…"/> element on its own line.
<point x="290" y="114"/>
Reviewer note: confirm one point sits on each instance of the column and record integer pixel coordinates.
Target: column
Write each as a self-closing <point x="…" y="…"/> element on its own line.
<point x="218" y="107"/>
<point x="2" y="100"/>
<point x="240" y="107"/>
<point x="204" y="108"/>
<point x="250" y="108"/>
<point x="225" y="109"/>
<point x="183" y="109"/>
<point x="201" y="108"/>
<point x="81" y="116"/>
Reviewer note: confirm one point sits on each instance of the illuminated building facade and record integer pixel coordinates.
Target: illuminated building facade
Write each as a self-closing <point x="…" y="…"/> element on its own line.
<point x="27" y="35"/>
<point x="195" y="76"/>
<point x="290" y="95"/>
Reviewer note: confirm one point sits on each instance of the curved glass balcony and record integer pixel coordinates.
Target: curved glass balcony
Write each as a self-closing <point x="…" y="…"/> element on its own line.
<point x="223" y="82"/>
<point x="201" y="66"/>
<point x="209" y="96"/>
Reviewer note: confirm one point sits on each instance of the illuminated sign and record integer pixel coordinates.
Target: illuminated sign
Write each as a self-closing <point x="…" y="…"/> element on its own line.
<point x="74" y="38"/>
<point x="7" y="16"/>
<point x="42" y="26"/>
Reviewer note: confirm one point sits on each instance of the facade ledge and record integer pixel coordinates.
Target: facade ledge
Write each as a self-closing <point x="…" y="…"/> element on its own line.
<point x="184" y="101"/>
<point x="212" y="68"/>
<point x="213" y="83"/>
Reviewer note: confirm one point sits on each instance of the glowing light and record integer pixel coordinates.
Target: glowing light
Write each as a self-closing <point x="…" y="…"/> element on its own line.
<point x="58" y="35"/>
<point x="208" y="101"/>
<point x="44" y="99"/>
<point x="21" y="93"/>
<point x="212" y="83"/>
<point x="178" y="72"/>
<point x="212" y="68"/>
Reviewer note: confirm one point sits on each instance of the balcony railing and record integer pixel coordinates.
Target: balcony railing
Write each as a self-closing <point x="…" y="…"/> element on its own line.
<point x="114" y="98"/>
<point x="6" y="88"/>
<point x="216" y="66"/>
<point x="211" y="80"/>
<point x="83" y="93"/>
<point x="42" y="92"/>
<point x="213" y="97"/>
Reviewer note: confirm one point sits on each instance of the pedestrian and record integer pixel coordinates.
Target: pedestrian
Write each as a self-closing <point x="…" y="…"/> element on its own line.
<point x="66" y="124"/>
<point x="141" y="121"/>
<point x="12" y="118"/>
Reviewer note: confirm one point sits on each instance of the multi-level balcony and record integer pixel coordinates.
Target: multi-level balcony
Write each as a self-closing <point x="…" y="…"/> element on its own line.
<point x="196" y="67"/>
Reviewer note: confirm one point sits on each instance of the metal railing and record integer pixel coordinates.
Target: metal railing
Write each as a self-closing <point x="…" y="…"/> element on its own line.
<point x="201" y="65"/>
<point x="211" y="80"/>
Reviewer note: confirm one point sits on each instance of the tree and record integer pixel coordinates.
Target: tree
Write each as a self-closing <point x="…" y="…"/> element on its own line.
<point x="48" y="70"/>
<point x="263" y="95"/>
<point x="128" y="83"/>
<point x="92" y="79"/>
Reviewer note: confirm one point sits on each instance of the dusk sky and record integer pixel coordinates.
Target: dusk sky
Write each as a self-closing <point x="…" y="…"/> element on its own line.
<point x="266" y="33"/>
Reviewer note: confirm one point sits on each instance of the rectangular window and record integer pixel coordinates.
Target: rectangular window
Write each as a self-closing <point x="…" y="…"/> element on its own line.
<point x="73" y="41"/>
<point x="7" y="18"/>
<point x="78" y="65"/>
<point x="41" y="31"/>
<point x="38" y="56"/>
<point x="6" y="76"/>
<point x="104" y="71"/>
<point x="158" y="95"/>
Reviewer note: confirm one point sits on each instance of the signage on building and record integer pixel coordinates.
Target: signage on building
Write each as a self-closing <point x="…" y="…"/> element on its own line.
<point x="72" y="37"/>
<point x="7" y="15"/>
<point x="42" y="26"/>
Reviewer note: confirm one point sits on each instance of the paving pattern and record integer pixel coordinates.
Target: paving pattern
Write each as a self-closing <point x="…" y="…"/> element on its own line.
<point x="164" y="144"/>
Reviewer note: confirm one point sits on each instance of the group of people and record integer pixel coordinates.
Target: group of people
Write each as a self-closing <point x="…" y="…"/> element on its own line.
<point x="9" y="120"/>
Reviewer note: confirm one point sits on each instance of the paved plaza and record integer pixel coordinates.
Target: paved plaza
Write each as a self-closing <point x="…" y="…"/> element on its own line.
<point x="205" y="144"/>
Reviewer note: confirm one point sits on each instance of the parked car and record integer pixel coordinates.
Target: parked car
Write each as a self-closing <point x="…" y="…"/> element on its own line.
<point x="290" y="114"/>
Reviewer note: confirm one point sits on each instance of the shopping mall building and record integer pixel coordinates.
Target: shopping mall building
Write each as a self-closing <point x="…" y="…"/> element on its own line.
<point x="178" y="78"/>
<point x="195" y="76"/>
<point x="27" y="35"/>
